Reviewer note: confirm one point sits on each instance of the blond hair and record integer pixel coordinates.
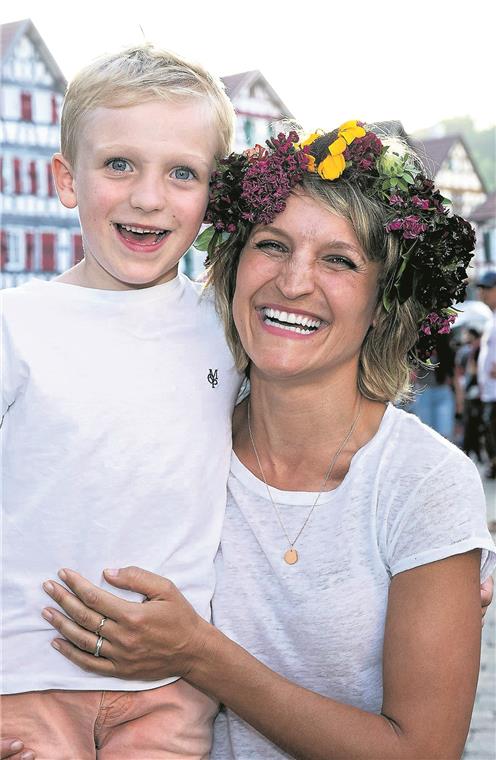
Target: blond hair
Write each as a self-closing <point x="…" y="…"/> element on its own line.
<point x="385" y="363"/>
<point x="137" y="75"/>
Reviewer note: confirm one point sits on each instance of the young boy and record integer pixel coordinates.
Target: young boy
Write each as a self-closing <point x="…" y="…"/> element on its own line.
<point x="117" y="396"/>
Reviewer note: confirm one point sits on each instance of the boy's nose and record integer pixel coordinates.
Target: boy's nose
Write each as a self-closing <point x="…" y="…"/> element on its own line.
<point x="148" y="194"/>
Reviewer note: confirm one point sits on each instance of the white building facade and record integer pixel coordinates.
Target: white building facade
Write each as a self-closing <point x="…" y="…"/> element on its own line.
<point x="39" y="237"/>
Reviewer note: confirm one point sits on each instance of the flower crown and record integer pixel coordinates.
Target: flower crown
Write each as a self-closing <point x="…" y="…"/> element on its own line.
<point x="435" y="247"/>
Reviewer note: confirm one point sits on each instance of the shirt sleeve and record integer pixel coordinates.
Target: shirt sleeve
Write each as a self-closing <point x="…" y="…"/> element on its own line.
<point x="444" y="515"/>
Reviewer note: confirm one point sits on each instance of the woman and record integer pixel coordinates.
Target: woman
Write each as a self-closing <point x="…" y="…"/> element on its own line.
<point x="348" y="595"/>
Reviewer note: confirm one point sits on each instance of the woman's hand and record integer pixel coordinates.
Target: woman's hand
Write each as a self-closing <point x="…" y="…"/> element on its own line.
<point x="14" y="749"/>
<point x="149" y="641"/>
<point x="487" y="589"/>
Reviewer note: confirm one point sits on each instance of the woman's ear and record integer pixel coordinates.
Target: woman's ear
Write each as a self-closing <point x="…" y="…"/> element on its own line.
<point x="63" y="175"/>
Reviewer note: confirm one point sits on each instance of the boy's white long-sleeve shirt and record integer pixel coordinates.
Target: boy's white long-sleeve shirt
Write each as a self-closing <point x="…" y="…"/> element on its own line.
<point x="116" y="443"/>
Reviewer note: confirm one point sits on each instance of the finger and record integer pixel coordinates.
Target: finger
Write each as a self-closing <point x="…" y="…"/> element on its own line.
<point x="14" y="749"/>
<point x="93" y="597"/>
<point x="80" y="637"/>
<point x="85" y="661"/>
<point x="151" y="585"/>
<point x="487" y="590"/>
<point x="75" y="609"/>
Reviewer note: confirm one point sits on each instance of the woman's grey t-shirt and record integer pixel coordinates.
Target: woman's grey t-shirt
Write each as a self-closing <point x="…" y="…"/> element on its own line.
<point x="410" y="497"/>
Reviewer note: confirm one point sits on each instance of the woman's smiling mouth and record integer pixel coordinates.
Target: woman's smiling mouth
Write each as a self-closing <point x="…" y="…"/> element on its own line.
<point x="290" y="321"/>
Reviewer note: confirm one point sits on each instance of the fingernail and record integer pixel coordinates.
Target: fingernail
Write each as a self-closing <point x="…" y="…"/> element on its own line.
<point x="16" y="746"/>
<point x="47" y="614"/>
<point x="62" y="574"/>
<point x="49" y="587"/>
<point x="56" y="645"/>
<point x="27" y="756"/>
<point x="112" y="571"/>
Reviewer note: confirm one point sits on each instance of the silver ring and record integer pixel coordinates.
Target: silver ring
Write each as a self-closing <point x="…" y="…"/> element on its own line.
<point x="98" y="646"/>
<point x="100" y="625"/>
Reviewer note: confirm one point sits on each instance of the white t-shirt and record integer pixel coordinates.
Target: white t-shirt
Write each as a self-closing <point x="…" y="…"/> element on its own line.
<point x="486" y="362"/>
<point x="116" y="448"/>
<point x="409" y="498"/>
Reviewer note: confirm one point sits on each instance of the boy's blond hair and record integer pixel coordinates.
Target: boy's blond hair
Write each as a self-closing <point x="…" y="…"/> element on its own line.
<point x="137" y="75"/>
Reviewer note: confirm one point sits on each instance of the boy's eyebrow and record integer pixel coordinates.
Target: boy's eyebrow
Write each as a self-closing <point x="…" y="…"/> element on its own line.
<point x="117" y="148"/>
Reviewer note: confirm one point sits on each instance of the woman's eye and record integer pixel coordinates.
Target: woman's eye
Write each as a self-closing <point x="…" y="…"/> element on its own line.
<point x="269" y="246"/>
<point x="339" y="262"/>
<point x="119" y="165"/>
<point x="182" y="172"/>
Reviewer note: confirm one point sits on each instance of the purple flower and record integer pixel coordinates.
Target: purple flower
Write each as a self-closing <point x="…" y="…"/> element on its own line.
<point x="396" y="200"/>
<point x="396" y="224"/>
<point x="422" y="203"/>
<point x="413" y="227"/>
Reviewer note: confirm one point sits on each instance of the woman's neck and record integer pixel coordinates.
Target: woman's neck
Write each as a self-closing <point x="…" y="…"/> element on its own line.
<point x="297" y="428"/>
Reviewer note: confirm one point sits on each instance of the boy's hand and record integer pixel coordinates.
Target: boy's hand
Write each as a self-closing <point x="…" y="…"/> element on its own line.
<point x="14" y="749"/>
<point x="108" y="635"/>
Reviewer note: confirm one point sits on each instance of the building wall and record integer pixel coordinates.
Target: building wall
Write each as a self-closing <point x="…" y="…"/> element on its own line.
<point x="39" y="237"/>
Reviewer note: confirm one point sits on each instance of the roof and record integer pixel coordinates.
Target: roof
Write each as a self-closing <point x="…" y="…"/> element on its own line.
<point x="435" y="150"/>
<point x="11" y="33"/>
<point x="236" y="82"/>
<point x="485" y="211"/>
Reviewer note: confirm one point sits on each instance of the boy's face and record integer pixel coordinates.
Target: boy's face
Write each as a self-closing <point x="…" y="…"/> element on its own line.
<point x="140" y="181"/>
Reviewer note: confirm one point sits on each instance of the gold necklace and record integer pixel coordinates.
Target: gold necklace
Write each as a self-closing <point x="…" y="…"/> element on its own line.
<point x="291" y="555"/>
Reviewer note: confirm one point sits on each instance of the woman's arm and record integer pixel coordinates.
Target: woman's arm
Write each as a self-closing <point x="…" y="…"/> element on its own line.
<point x="431" y="661"/>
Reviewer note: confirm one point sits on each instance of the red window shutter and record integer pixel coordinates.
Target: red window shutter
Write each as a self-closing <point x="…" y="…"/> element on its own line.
<point x="17" y="176"/>
<point x="4" y="248"/>
<point x="77" y="249"/>
<point x="33" y="177"/>
<point x="55" y="110"/>
<point x="48" y="252"/>
<point x="26" y="106"/>
<point x="29" y="251"/>
<point x="50" y="183"/>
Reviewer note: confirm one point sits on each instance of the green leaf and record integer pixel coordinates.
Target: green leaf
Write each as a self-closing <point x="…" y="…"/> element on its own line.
<point x="202" y="241"/>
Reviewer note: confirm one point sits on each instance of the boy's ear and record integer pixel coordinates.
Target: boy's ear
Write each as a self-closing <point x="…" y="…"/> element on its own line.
<point x="63" y="175"/>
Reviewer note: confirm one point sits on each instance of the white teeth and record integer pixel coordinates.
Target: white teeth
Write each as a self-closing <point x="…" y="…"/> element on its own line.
<point x="139" y="229"/>
<point x="292" y="319"/>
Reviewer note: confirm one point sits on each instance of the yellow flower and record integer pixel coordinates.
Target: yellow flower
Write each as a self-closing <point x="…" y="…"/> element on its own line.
<point x="309" y="140"/>
<point x="311" y="163"/>
<point x="332" y="167"/>
<point x="349" y="130"/>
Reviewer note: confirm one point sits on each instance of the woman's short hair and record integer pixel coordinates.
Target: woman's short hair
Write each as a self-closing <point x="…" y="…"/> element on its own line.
<point x="385" y="364"/>
<point x="137" y="75"/>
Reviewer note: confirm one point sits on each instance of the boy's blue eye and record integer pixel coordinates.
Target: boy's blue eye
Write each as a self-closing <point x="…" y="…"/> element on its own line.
<point x="182" y="172"/>
<point x="119" y="164"/>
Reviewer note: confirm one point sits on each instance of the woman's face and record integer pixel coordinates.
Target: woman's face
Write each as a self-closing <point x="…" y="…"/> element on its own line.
<point x="305" y="294"/>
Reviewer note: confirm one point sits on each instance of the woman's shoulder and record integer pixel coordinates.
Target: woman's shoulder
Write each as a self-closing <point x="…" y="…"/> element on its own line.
<point x="420" y="450"/>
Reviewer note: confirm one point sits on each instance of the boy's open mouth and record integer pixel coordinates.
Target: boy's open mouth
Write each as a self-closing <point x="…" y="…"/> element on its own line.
<point x="141" y="235"/>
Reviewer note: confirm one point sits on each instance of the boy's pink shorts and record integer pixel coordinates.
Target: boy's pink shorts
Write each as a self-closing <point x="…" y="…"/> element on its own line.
<point x="173" y="721"/>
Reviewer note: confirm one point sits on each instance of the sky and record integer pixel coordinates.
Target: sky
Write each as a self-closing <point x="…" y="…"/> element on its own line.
<point x="328" y="61"/>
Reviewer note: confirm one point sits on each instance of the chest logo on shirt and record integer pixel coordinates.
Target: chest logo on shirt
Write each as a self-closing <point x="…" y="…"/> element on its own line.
<point x="212" y="377"/>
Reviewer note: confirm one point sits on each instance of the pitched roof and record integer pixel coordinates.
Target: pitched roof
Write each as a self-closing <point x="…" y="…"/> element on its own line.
<point x="11" y="33"/>
<point x="486" y="210"/>
<point x="235" y="82"/>
<point x="435" y="150"/>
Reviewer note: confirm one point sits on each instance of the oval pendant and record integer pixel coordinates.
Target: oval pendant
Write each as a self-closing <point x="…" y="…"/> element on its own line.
<point x="291" y="556"/>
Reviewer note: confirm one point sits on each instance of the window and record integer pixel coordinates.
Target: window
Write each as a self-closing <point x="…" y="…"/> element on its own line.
<point x="55" y="110"/>
<point x="77" y="249"/>
<point x="33" y="178"/>
<point x="30" y="251"/>
<point x="4" y="248"/>
<point x="248" y="128"/>
<point x="48" y="252"/>
<point x="17" y="176"/>
<point x="26" y="106"/>
<point x="50" y="182"/>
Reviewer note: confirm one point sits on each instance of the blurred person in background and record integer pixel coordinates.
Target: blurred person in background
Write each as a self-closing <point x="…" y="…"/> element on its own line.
<point x="486" y="370"/>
